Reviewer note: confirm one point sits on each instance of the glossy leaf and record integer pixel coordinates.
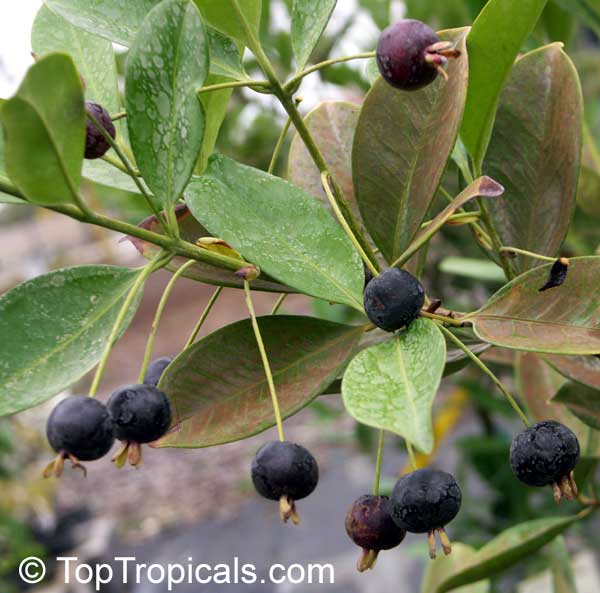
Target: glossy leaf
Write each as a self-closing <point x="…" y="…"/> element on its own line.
<point x="535" y="153"/>
<point x="493" y="44"/>
<point x="401" y="146"/>
<point x="332" y="125"/>
<point x="505" y="550"/>
<point x="223" y="16"/>
<point x="225" y="56"/>
<point x="93" y="56"/>
<point x="4" y="197"/>
<point x="46" y="129"/>
<point x="119" y="21"/>
<point x="309" y="19"/>
<point x="583" y="401"/>
<point x="218" y="388"/>
<point x="537" y="384"/>
<point x="564" y="320"/>
<point x="53" y="330"/>
<point x="166" y="66"/>
<point x="444" y="566"/>
<point x="393" y="385"/>
<point x="278" y="227"/>
<point x="191" y="230"/>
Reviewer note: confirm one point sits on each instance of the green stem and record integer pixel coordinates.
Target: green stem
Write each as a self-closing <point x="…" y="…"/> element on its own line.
<point x="293" y="82"/>
<point x="411" y="455"/>
<point x="279" y="302"/>
<point x="289" y="105"/>
<point x="159" y="260"/>
<point x="265" y="360"/>
<point x="280" y="141"/>
<point x="345" y="225"/>
<point x="505" y="249"/>
<point x="233" y="84"/>
<point x="159" y="311"/>
<point x="455" y="218"/>
<point x="379" y="462"/>
<point x="207" y="309"/>
<point x="120" y="115"/>
<point x="129" y="169"/>
<point x="487" y="371"/>
<point x="108" y="158"/>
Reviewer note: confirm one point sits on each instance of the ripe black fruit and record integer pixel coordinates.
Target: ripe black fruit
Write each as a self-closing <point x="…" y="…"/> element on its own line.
<point x="370" y="526"/>
<point x="286" y="472"/>
<point x="410" y="55"/>
<point x="546" y="453"/>
<point x="80" y="429"/>
<point x="155" y="370"/>
<point x="141" y="414"/>
<point x="425" y="501"/>
<point x="393" y="299"/>
<point x="96" y="145"/>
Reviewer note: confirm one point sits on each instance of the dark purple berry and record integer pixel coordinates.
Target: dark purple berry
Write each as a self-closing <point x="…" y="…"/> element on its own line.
<point x="410" y="55"/>
<point x="393" y="299"/>
<point x="425" y="501"/>
<point x="546" y="454"/>
<point x="81" y="428"/>
<point x="371" y="527"/>
<point x="140" y="413"/>
<point x="286" y="472"/>
<point x="96" y="145"/>
<point x="155" y="370"/>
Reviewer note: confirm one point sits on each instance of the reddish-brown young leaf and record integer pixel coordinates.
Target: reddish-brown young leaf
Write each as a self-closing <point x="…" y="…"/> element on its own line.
<point x="218" y="389"/>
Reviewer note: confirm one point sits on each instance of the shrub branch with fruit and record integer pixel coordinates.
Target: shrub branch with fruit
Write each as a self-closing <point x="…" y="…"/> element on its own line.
<point x="352" y="225"/>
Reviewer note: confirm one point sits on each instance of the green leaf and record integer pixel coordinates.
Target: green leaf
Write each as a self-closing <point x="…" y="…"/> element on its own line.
<point x="510" y="547"/>
<point x="120" y="21"/>
<point x="332" y="125"/>
<point x="223" y="16"/>
<point x="278" y="227"/>
<point x="54" y="330"/>
<point x="583" y="401"/>
<point x="4" y="197"/>
<point x="588" y="192"/>
<point x="166" y="66"/>
<point x="45" y="132"/>
<point x="493" y="44"/>
<point x="562" y="320"/>
<point x="309" y="19"/>
<point x="402" y="143"/>
<point x="537" y="384"/>
<point x="218" y="388"/>
<point x="93" y="56"/>
<point x="191" y="230"/>
<point x="225" y="57"/>
<point x="587" y="13"/>
<point x="535" y="153"/>
<point x="563" y="576"/>
<point x="392" y="385"/>
<point x="442" y="567"/>
<point x="114" y="20"/>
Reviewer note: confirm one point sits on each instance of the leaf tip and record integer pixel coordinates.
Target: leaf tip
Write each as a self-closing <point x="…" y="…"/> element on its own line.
<point x="490" y="188"/>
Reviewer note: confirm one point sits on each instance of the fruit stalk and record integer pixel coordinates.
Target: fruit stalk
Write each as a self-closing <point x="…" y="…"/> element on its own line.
<point x="203" y="316"/>
<point x="159" y="311"/>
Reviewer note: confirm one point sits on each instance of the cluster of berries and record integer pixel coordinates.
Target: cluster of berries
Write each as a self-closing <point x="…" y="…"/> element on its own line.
<point x="84" y="429"/>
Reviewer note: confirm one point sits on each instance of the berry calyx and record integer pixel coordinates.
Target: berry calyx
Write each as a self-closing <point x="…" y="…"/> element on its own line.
<point x="285" y="472"/>
<point x="410" y="55"/>
<point x="393" y="299"/>
<point x="155" y="370"/>
<point x="96" y="145"/>
<point x="141" y="414"/>
<point x="425" y="501"/>
<point x="79" y="429"/>
<point x="546" y="454"/>
<point x="370" y="526"/>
